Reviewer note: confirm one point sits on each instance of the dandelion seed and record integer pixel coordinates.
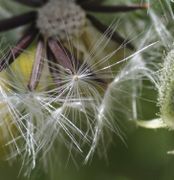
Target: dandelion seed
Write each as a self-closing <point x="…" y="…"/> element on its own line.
<point x="57" y="93"/>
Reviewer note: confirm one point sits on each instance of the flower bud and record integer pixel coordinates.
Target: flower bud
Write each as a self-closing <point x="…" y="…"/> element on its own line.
<point x="166" y="90"/>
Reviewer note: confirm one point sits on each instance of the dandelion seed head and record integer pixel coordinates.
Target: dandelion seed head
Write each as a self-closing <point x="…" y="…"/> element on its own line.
<point x="70" y="109"/>
<point x="68" y="18"/>
<point x="73" y="109"/>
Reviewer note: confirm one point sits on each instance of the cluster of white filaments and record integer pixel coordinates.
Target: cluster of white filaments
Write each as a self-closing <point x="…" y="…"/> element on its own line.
<point x="61" y="19"/>
<point x="69" y="109"/>
<point x="72" y="109"/>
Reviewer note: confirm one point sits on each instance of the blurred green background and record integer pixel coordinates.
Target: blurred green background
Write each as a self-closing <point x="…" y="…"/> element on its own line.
<point x="144" y="158"/>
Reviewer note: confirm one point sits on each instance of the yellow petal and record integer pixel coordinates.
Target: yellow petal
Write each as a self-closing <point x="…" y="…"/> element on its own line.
<point x="20" y="69"/>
